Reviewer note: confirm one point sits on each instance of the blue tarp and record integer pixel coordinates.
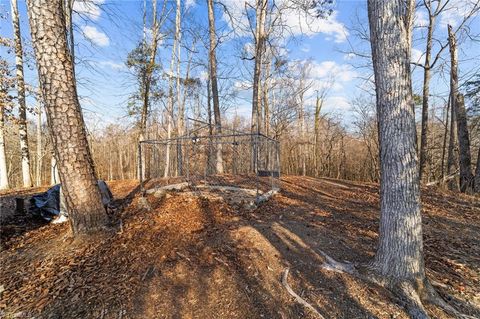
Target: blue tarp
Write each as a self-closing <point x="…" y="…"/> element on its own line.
<point x="51" y="204"/>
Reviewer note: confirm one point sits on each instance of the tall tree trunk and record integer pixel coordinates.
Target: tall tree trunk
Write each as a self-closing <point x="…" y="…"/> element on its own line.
<point x="38" y="177"/>
<point x="22" y="108"/>
<point x="466" y="176"/>
<point x="426" y="93"/>
<point x="214" y="84"/>
<point x="170" y="90"/>
<point x="181" y="106"/>
<point x="64" y="115"/>
<point x="147" y="82"/>
<point x="318" y="108"/>
<point x="452" y="156"/>
<point x="3" y="156"/>
<point x="399" y="257"/>
<point x="477" y="173"/>
<point x="261" y="9"/>
<point x="444" y="145"/>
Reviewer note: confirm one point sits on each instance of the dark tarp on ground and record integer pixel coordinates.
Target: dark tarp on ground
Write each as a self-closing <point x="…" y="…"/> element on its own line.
<point x="51" y="204"/>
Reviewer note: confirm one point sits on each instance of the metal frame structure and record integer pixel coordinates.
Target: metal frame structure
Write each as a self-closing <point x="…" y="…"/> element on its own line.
<point x="249" y="160"/>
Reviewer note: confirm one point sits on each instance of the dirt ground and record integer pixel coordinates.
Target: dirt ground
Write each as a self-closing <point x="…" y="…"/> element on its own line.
<point x="197" y="257"/>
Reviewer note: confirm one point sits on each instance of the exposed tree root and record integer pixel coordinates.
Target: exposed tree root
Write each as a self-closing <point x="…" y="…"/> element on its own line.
<point x="299" y="299"/>
<point x="411" y="295"/>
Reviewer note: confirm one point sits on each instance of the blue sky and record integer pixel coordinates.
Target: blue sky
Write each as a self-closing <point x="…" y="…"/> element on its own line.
<point x="105" y="34"/>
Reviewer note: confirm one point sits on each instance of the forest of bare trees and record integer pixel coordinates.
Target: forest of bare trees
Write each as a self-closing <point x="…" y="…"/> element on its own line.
<point x="314" y="142"/>
<point x="410" y="130"/>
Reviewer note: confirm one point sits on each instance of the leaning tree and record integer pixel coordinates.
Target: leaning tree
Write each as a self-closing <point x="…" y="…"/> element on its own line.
<point x="64" y="115"/>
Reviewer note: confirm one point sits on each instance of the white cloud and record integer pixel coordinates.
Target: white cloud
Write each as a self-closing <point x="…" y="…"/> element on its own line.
<point x="328" y="69"/>
<point x="456" y="12"/>
<point x="112" y="65"/>
<point x="97" y="37"/>
<point x="310" y="26"/>
<point x="190" y="3"/>
<point x="336" y="103"/>
<point x="89" y="8"/>
<point x="417" y="56"/>
<point x="421" y="19"/>
<point x="295" y="21"/>
<point x="349" y="56"/>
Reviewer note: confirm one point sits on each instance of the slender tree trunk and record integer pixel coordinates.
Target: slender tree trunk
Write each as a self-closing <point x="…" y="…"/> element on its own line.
<point x="170" y="89"/>
<point x="147" y="80"/>
<point x="181" y="106"/>
<point x="318" y="108"/>
<point x="444" y="145"/>
<point x="466" y="176"/>
<point x="22" y="107"/>
<point x="38" y="177"/>
<point x="214" y="84"/>
<point x="477" y="173"/>
<point x="452" y="156"/>
<point x="55" y="68"/>
<point x="261" y="9"/>
<point x="3" y="156"/>
<point x="426" y="95"/>
<point x="399" y="257"/>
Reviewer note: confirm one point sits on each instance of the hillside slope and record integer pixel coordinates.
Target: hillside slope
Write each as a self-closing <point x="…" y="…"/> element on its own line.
<point x="191" y="257"/>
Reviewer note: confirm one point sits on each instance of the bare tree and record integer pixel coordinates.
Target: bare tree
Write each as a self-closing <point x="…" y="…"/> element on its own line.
<point x="213" y="81"/>
<point x="22" y="107"/>
<point x="430" y="62"/>
<point x="261" y="11"/>
<point x="55" y="69"/>
<point x="399" y="257"/>
<point x="3" y="156"/>
<point x="458" y="105"/>
<point x="170" y="87"/>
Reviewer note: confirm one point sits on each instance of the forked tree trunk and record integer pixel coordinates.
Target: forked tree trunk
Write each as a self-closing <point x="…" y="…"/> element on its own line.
<point x="55" y="69"/>
<point x="399" y="257"/>
<point x="3" y="156"/>
<point x="466" y="176"/>
<point x="22" y="107"/>
<point x="213" y="81"/>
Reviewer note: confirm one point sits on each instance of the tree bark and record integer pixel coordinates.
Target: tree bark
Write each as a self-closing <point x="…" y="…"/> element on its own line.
<point x="451" y="156"/>
<point x="181" y="109"/>
<point x="466" y="176"/>
<point x="214" y="84"/>
<point x="55" y="69"/>
<point x="4" y="184"/>
<point x="261" y="9"/>
<point x="318" y="108"/>
<point x="147" y="82"/>
<point x="399" y="258"/>
<point x="38" y="177"/>
<point x="477" y="173"/>
<point x="426" y="93"/>
<point x="170" y="90"/>
<point x="22" y="108"/>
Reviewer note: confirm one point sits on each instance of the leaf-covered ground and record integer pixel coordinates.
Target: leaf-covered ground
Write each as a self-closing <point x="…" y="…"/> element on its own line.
<point x="198" y="257"/>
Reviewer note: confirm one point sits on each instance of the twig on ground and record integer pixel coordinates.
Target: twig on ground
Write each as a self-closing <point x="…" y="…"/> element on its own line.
<point x="299" y="299"/>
